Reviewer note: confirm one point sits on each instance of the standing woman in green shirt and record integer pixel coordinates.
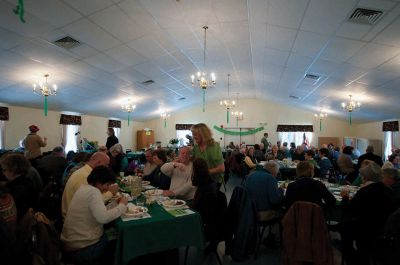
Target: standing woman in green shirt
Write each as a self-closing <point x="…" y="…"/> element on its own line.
<point x="206" y="148"/>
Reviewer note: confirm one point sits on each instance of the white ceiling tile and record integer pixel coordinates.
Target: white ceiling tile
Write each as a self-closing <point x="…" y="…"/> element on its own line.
<point x="298" y="62"/>
<point x="84" y="50"/>
<point x="392" y="65"/>
<point x="349" y="72"/>
<point x="324" y="67"/>
<point x="131" y="75"/>
<point x="105" y="62"/>
<point x="87" y="32"/>
<point x="88" y="7"/>
<point x="167" y="63"/>
<point x="126" y="55"/>
<point x="325" y="16"/>
<point x="230" y="10"/>
<point x="389" y="37"/>
<point x="135" y="10"/>
<point x="286" y="13"/>
<point x="340" y="49"/>
<point x="377" y="78"/>
<point x="147" y="47"/>
<point x="280" y="38"/>
<point x="353" y="30"/>
<point x="377" y="4"/>
<point x="372" y="55"/>
<point x="309" y="43"/>
<point x="53" y="11"/>
<point x="124" y="29"/>
<point x="10" y="39"/>
<point x="148" y="69"/>
<point x="275" y="57"/>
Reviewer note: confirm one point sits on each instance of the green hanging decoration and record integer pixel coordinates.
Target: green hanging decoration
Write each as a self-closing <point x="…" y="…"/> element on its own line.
<point x="320" y="124"/>
<point x="350" y="117"/>
<point x="165" y="123"/>
<point x="204" y="100"/>
<point x="237" y="122"/>
<point x="227" y="116"/>
<point x="129" y="118"/>
<point x="45" y="106"/>
<point x="20" y="10"/>
<point x="249" y="132"/>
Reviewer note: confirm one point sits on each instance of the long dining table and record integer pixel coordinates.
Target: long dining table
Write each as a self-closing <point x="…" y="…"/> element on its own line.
<point x="162" y="231"/>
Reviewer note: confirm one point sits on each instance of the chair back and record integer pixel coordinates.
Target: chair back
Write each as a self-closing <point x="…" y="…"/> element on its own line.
<point x="305" y="235"/>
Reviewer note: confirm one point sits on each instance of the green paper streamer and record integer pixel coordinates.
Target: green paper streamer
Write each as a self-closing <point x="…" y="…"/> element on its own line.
<point x="129" y="118"/>
<point x="350" y="118"/>
<point x="165" y="123"/>
<point x="204" y="100"/>
<point x="320" y="124"/>
<point x="45" y="106"/>
<point x="20" y="10"/>
<point x="227" y="116"/>
<point x="249" y="132"/>
<point x="237" y="122"/>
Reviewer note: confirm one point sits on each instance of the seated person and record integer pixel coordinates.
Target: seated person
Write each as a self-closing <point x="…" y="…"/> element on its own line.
<point x="180" y="173"/>
<point x="149" y="165"/>
<point x="324" y="164"/>
<point x="393" y="162"/>
<point x="157" y="178"/>
<point x="249" y="160"/>
<point x="346" y="165"/>
<point x="118" y="159"/>
<point x="298" y="154"/>
<point x="83" y="236"/>
<point x="52" y="165"/>
<point x="258" y="154"/>
<point x="263" y="189"/>
<point x="15" y="168"/>
<point x="305" y="188"/>
<point x="367" y="213"/>
<point x="391" y="178"/>
<point x="276" y="153"/>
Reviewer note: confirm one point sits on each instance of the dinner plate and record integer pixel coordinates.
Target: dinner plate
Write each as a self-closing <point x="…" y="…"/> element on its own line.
<point x="135" y="211"/>
<point x="173" y="203"/>
<point x="153" y="192"/>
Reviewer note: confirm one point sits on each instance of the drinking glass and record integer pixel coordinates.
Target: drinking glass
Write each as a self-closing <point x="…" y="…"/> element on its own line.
<point x="140" y="200"/>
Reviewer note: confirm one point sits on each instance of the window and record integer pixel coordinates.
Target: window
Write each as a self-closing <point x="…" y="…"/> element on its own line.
<point x="2" y="134"/>
<point x="117" y="132"/>
<point x="181" y="136"/>
<point x="390" y="142"/>
<point x="71" y="138"/>
<point x="297" y="137"/>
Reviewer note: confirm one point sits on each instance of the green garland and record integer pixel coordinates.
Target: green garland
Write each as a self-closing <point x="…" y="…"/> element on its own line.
<point x="20" y="10"/>
<point x="249" y="132"/>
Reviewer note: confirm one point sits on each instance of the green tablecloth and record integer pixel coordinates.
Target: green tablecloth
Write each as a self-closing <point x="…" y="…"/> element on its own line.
<point x="160" y="232"/>
<point x="134" y="156"/>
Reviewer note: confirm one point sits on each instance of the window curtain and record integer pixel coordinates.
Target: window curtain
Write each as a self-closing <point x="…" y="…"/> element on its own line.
<point x="2" y="134"/>
<point x="4" y="114"/>
<point x="114" y="124"/>
<point x="294" y="128"/>
<point x="70" y="120"/>
<point x="390" y="126"/>
<point x="183" y="127"/>
<point x="390" y="137"/>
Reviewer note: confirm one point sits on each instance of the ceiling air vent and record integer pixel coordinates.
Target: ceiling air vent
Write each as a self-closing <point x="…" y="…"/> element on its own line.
<point x="67" y="43"/>
<point x="312" y="77"/>
<point x="365" y="16"/>
<point x="182" y="98"/>
<point x="148" y="82"/>
<point x="294" y="97"/>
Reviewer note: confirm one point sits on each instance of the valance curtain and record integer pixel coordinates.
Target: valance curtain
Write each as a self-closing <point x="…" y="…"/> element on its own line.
<point x="390" y="126"/>
<point x="183" y="126"/>
<point x="114" y="124"/>
<point x="294" y="128"/>
<point x="70" y="120"/>
<point x="4" y="114"/>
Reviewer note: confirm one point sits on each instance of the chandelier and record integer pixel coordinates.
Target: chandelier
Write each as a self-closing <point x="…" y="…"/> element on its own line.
<point x="128" y="107"/>
<point x="238" y="115"/>
<point x="200" y="79"/>
<point x="350" y="106"/>
<point x="43" y="89"/>
<point x="322" y="115"/>
<point x="165" y="116"/>
<point x="227" y="103"/>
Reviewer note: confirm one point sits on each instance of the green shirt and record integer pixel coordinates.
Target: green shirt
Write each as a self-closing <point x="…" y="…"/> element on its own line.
<point x="213" y="156"/>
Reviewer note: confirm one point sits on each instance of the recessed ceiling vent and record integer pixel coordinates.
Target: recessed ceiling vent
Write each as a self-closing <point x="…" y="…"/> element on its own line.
<point x="365" y="16"/>
<point x="312" y="77"/>
<point x="182" y="98"/>
<point x="148" y="82"/>
<point x="294" y="97"/>
<point x="67" y="43"/>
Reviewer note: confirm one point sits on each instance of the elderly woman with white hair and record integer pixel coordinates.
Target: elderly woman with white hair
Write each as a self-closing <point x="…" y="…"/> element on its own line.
<point x="118" y="159"/>
<point x="368" y="211"/>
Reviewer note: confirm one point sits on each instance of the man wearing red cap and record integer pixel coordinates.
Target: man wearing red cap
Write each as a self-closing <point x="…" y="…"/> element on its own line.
<point x="33" y="143"/>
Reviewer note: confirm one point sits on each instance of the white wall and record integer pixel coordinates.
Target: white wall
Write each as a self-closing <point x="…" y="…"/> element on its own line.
<point x="255" y="112"/>
<point x="371" y="130"/>
<point x="93" y="128"/>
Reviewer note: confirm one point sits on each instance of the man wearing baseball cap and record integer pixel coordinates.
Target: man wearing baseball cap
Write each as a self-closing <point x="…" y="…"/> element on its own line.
<point x="33" y="143"/>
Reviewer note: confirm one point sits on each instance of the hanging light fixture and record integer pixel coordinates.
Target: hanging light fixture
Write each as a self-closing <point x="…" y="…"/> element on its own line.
<point x="321" y="115"/>
<point x="238" y="115"/>
<point x="200" y="79"/>
<point x="165" y="116"/>
<point x="228" y="103"/>
<point x="128" y="107"/>
<point x="350" y="106"/>
<point x="45" y="90"/>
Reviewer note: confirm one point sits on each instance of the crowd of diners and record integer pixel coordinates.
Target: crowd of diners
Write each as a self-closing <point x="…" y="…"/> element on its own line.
<point x="85" y="183"/>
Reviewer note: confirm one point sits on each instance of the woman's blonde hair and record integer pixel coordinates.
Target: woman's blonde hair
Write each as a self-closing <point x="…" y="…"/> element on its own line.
<point x="205" y="133"/>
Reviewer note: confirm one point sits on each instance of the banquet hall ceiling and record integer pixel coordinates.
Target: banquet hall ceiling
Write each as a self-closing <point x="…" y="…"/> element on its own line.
<point x="267" y="46"/>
